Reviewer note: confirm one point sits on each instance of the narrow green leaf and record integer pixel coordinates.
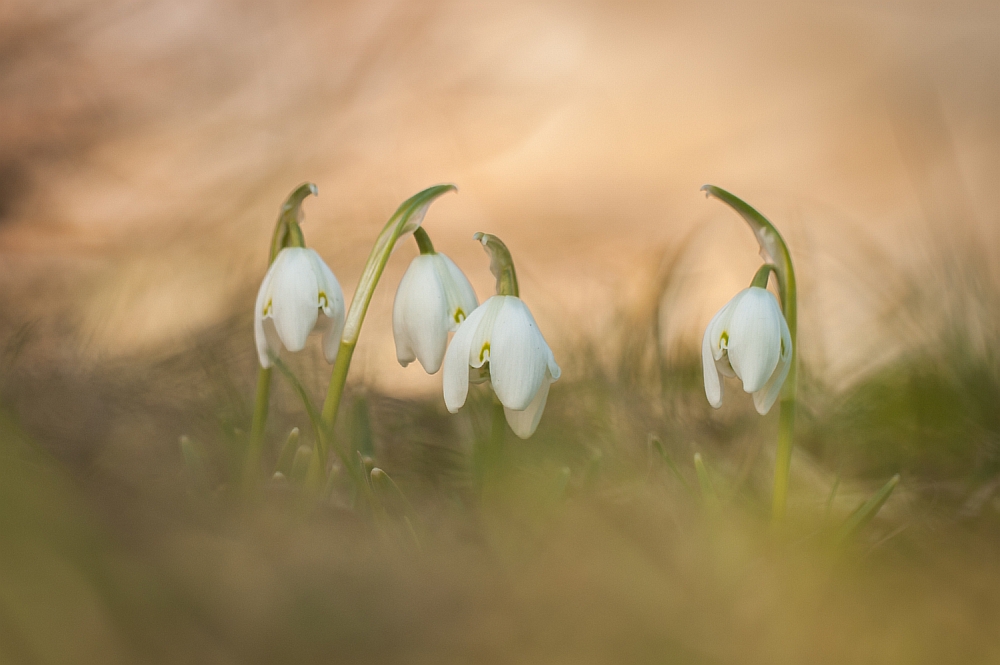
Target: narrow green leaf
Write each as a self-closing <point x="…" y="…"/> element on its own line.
<point x="561" y="484"/>
<point x="195" y="463"/>
<point x="657" y="445"/>
<point x="864" y="513"/>
<point x="389" y="496"/>
<point x="704" y="481"/>
<point x="833" y="494"/>
<point x="314" y="419"/>
<point x="361" y="428"/>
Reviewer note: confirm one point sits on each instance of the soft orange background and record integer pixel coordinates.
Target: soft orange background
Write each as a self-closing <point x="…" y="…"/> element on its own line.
<point x="145" y="149"/>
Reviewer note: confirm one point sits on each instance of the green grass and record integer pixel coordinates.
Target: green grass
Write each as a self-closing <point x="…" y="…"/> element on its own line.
<point x="589" y="543"/>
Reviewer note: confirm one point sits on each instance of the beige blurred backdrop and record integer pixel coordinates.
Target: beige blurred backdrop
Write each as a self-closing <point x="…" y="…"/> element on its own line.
<point x="145" y="148"/>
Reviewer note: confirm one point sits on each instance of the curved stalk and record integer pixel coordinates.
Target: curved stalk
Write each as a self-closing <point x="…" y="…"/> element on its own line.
<point x="423" y="241"/>
<point x="405" y="220"/>
<point x="286" y="230"/>
<point x="774" y="251"/>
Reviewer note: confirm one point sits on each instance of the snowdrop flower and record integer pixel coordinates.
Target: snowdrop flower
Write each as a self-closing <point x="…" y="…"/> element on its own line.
<point x="296" y="289"/>
<point x="433" y="298"/>
<point x="500" y="341"/>
<point x="748" y="339"/>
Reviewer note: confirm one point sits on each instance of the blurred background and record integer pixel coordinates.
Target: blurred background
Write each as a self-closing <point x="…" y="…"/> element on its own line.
<point x="145" y="148"/>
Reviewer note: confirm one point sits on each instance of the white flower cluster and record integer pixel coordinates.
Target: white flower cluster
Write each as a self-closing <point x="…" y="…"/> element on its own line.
<point x="497" y="342"/>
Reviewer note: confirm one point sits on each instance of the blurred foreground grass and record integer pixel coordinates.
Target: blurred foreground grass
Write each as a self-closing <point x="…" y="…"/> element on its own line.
<point x="582" y="544"/>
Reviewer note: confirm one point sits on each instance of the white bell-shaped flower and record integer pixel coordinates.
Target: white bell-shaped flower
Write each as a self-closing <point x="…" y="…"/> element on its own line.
<point x="433" y="298"/>
<point x="297" y="288"/>
<point x="748" y="339"/>
<point x="501" y="339"/>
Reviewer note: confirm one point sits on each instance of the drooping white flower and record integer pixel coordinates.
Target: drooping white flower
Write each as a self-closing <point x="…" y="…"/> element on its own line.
<point x="296" y="289"/>
<point x="748" y="339"/>
<point x="501" y="339"/>
<point x="433" y="298"/>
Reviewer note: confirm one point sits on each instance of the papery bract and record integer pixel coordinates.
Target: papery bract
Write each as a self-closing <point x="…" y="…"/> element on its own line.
<point x="297" y="288"/>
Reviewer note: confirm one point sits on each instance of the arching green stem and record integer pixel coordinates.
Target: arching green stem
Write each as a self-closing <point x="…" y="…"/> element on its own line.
<point x="501" y="264"/>
<point x="406" y="219"/>
<point x="774" y="251"/>
<point x="286" y="233"/>
<point x="763" y="274"/>
<point x="424" y="243"/>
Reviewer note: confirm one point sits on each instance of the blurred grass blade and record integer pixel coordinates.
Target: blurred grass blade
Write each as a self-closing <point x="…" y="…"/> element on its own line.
<point x="864" y="513"/>
<point x="390" y="497"/>
<point x="593" y="470"/>
<point x="287" y="455"/>
<point x="361" y="428"/>
<point x="704" y="481"/>
<point x="300" y="390"/>
<point x="657" y="445"/>
<point x="833" y="495"/>
<point x="561" y="483"/>
<point x="195" y="463"/>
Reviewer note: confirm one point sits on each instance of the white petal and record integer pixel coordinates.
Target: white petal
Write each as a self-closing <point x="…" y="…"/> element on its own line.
<point x="330" y="297"/>
<point x="456" y="361"/>
<point x="519" y="356"/>
<point x="400" y="334"/>
<point x="718" y="327"/>
<point x="722" y="364"/>
<point x="330" y="300"/>
<point x="480" y="348"/>
<point x="459" y="292"/>
<point x="420" y="315"/>
<point x="714" y="351"/>
<point x="713" y="385"/>
<point x="755" y="338"/>
<point x="764" y="398"/>
<point x="524" y="423"/>
<point x="273" y="341"/>
<point x="332" y="330"/>
<point x="294" y="296"/>
<point x="263" y="296"/>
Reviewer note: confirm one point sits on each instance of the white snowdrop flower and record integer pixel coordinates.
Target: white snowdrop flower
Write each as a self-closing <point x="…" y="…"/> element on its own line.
<point x="296" y="289"/>
<point x="501" y="340"/>
<point x="433" y="298"/>
<point x="748" y="339"/>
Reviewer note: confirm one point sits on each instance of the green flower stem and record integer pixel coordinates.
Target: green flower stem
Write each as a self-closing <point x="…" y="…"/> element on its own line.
<point x="406" y="219"/>
<point x="286" y="232"/>
<point x="487" y="451"/>
<point x="774" y="250"/>
<point x="762" y="275"/>
<point x="423" y="241"/>
<point x="260" y="408"/>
